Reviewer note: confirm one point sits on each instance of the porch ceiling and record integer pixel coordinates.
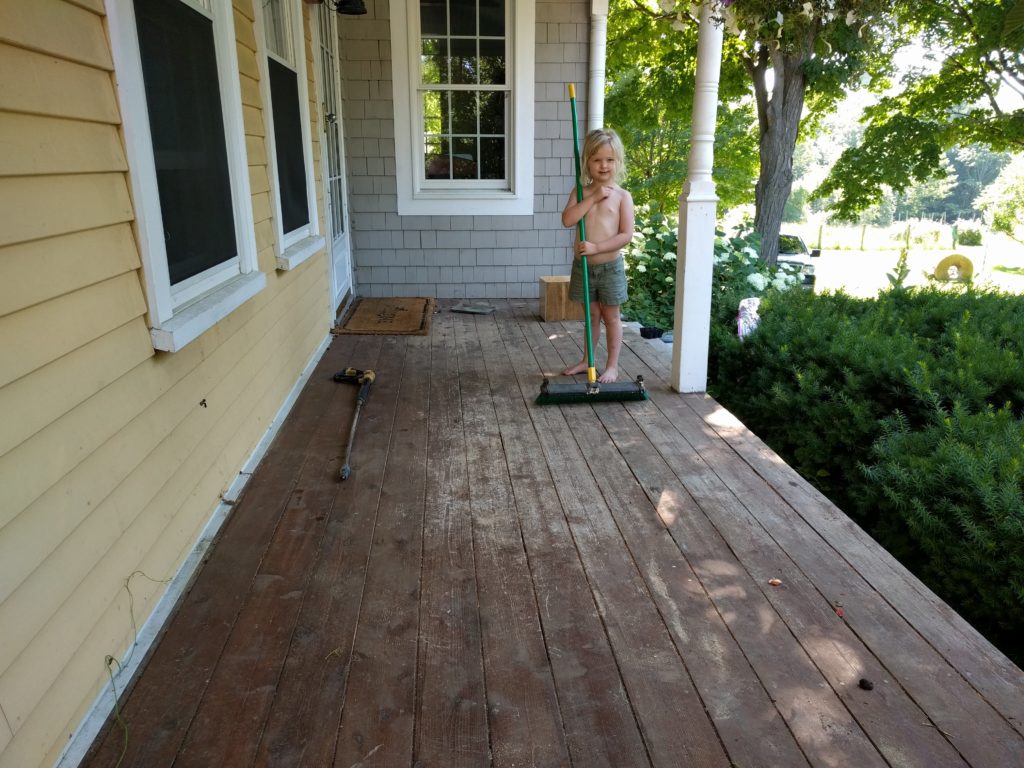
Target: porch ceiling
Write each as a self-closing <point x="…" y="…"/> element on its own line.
<point x="504" y="584"/>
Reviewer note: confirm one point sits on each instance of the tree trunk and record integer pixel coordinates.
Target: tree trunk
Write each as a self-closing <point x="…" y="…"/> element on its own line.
<point x="778" y="116"/>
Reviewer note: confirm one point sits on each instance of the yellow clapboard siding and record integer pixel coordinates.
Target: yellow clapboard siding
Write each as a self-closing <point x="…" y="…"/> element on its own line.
<point x="23" y="682"/>
<point x="259" y="182"/>
<point x="54" y="27"/>
<point x="40" y="84"/>
<point x="117" y="429"/>
<point x="264" y="235"/>
<point x="33" y="402"/>
<point x="42" y="333"/>
<point x="5" y="732"/>
<point x="251" y="96"/>
<point x="34" y="145"/>
<point x="247" y="65"/>
<point x="256" y="150"/>
<point x="113" y="631"/>
<point x="252" y="119"/>
<point x="261" y="207"/>
<point x="96" y="6"/>
<point x="34" y="272"/>
<point x="245" y="31"/>
<point x="34" y="207"/>
<point x="245" y="7"/>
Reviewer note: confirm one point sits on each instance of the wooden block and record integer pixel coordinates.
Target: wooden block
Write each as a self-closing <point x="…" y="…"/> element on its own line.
<point x="554" y="299"/>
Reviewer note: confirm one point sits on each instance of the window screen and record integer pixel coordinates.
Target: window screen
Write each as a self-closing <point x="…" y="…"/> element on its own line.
<point x="179" y="70"/>
<point x="291" y="169"/>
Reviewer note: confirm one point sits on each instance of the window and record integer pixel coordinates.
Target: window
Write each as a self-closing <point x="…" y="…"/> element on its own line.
<point x="177" y="77"/>
<point x="289" y="142"/>
<point x="463" y="106"/>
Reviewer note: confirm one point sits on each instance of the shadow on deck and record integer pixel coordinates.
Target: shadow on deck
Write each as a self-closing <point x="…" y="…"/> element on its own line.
<point x="500" y="583"/>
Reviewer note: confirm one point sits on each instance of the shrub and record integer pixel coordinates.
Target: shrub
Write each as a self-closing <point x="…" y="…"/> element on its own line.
<point x="908" y="412"/>
<point x="650" y="261"/>
<point x="968" y="237"/>
<point x="951" y="497"/>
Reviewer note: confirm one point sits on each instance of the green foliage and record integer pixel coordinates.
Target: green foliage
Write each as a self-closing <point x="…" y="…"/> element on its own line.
<point x="650" y="69"/>
<point x="908" y="412"/>
<point x="952" y="104"/>
<point x="950" y="497"/>
<point x="1003" y="200"/>
<point x="968" y="236"/>
<point x="651" y="269"/>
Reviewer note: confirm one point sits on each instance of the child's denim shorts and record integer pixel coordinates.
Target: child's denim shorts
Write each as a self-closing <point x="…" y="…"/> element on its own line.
<point x="607" y="282"/>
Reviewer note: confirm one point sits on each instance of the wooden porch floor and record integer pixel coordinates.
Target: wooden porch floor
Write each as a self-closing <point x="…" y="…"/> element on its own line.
<point x="504" y="584"/>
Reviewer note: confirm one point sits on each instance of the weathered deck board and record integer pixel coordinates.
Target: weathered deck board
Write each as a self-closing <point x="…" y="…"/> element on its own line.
<point x="302" y="725"/>
<point x="380" y="705"/>
<point x="525" y="725"/>
<point x="503" y="584"/>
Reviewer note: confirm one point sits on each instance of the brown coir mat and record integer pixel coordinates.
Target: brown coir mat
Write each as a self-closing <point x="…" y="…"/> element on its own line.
<point x="388" y="316"/>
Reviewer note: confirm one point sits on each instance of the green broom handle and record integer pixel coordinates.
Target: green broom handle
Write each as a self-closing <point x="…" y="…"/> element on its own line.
<point x="591" y="371"/>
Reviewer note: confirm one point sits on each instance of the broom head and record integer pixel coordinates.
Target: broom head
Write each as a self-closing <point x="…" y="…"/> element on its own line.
<point x="567" y="394"/>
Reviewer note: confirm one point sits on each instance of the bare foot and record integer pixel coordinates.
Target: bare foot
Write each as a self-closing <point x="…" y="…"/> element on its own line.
<point x="572" y="370"/>
<point x="609" y="375"/>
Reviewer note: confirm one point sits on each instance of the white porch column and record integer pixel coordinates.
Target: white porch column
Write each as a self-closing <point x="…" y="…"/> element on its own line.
<point x="697" y="211"/>
<point x="595" y="80"/>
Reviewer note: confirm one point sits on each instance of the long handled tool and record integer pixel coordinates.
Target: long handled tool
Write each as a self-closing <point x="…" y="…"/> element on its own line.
<point x="364" y="379"/>
<point x="593" y="391"/>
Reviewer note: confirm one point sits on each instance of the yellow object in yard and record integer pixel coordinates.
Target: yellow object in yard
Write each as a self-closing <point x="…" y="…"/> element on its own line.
<point x="956" y="266"/>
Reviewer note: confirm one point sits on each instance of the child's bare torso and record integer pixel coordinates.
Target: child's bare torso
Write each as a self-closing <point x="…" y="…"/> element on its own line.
<point x="602" y="222"/>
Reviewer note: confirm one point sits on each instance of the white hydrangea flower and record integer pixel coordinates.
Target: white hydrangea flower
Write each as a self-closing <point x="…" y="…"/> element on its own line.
<point x="641" y="268"/>
<point x="757" y="280"/>
<point x="781" y="283"/>
<point x="749" y="251"/>
<point x="668" y="256"/>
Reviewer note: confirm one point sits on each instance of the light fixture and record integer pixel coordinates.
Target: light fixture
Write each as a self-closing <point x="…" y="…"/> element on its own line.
<point x="349" y="7"/>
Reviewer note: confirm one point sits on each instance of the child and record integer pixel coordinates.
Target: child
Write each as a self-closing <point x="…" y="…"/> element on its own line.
<point x="607" y="213"/>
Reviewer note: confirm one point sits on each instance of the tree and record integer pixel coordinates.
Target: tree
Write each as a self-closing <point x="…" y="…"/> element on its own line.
<point x="650" y="70"/>
<point x="1003" y="200"/>
<point x="960" y="101"/>
<point x="796" y="54"/>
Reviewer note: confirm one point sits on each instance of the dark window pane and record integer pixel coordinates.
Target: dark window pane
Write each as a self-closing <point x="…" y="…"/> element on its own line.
<point x="492" y="112"/>
<point x="291" y="164"/>
<point x="492" y="18"/>
<point x="437" y="160"/>
<point x="492" y="158"/>
<point x="446" y="111"/>
<point x="464" y="158"/>
<point x="433" y="17"/>
<point x="464" y="62"/>
<point x="434" y="60"/>
<point x="463" y="17"/>
<point x="492" y="62"/>
<point x="179" y="70"/>
<point x="464" y="112"/>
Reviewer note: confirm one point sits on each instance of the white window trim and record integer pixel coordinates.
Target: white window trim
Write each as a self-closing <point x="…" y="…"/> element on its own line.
<point x="177" y="318"/>
<point x="416" y="200"/>
<point x="292" y="248"/>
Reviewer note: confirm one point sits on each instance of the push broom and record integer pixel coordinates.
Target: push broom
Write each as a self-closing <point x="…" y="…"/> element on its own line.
<point x="593" y="391"/>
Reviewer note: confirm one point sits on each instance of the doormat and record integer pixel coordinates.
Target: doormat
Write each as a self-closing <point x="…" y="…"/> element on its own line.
<point x="391" y="317"/>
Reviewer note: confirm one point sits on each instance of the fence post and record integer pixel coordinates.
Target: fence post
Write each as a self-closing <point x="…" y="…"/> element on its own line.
<point x="821" y="228"/>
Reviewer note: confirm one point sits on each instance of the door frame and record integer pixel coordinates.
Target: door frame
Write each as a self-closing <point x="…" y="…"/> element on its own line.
<point x="340" y="285"/>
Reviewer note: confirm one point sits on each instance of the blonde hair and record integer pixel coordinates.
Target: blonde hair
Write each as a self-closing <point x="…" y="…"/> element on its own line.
<point x="592" y="142"/>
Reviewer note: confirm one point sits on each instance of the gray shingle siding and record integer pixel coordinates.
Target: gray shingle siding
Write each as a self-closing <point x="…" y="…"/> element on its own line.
<point x="458" y="256"/>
